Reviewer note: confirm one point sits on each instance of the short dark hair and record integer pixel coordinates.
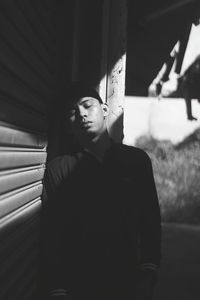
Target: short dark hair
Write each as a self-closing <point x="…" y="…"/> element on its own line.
<point x="79" y="90"/>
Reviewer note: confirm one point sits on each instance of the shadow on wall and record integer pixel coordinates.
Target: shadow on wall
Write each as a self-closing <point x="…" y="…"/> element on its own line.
<point x="151" y="37"/>
<point x="186" y="86"/>
<point x="177" y="177"/>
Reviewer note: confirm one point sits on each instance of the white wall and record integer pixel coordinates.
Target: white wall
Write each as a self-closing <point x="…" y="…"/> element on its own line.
<point x="163" y="119"/>
<point x="193" y="47"/>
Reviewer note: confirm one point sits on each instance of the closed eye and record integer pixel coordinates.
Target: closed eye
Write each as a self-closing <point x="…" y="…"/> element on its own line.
<point x="87" y="103"/>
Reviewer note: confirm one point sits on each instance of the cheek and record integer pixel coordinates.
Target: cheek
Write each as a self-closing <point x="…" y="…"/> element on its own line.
<point x="97" y="114"/>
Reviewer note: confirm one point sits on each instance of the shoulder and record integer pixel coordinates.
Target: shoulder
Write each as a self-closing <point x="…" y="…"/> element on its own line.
<point x="60" y="167"/>
<point x="57" y="164"/>
<point x="130" y="160"/>
<point x="131" y="154"/>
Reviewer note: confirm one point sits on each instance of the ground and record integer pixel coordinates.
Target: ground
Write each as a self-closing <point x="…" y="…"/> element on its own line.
<point x="180" y="271"/>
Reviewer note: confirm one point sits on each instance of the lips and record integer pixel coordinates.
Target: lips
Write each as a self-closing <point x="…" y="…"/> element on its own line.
<point x="86" y="124"/>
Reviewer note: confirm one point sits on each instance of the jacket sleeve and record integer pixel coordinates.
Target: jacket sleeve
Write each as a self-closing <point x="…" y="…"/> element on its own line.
<point x="53" y="279"/>
<point x="150" y="221"/>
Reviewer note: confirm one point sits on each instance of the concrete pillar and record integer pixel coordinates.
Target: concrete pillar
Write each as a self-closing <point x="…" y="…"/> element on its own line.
<point x="116" y="66"/>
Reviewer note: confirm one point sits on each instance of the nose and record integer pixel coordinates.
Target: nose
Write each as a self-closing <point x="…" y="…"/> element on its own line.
<point x="82" y="112"/>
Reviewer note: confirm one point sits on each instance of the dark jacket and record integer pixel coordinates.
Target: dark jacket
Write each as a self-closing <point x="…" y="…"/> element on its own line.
<point x="101" y="219"/>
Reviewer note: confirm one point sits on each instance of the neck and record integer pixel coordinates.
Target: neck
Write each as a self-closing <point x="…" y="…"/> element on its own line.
<point x="98" y="145"/>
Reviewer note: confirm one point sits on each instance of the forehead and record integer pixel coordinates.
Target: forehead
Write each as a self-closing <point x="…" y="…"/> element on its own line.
<point x="89" y="98"/>
<point x="81" y="101"/>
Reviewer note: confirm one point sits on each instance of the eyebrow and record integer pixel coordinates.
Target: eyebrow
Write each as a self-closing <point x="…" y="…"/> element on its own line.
<point x="87" y="99"/>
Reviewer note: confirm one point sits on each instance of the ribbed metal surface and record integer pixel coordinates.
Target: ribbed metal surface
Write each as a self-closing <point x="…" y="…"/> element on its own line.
<point x="13" y="179"/>
<point x="13" y="200"/>
<point x="16" y="137"/>
<point x="21" y="116"/>
<point x="18" y="256"/>
<point x="12" y="158"/>
<point x="27" y="49"/>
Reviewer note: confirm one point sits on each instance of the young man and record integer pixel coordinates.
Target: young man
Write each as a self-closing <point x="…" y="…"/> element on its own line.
<point x="101" y="224"/>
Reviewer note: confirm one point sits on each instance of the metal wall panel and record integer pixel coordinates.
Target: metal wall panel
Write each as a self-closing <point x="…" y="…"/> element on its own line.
<point x="27" y="75"/>
<point x="19" y="197"/>
<point x="13" y="179"/>
<point x="19" y="138"/>
<point x="18" y="256"/>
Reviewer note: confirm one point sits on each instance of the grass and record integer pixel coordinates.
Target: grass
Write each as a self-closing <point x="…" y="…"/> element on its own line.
<point x="177" y="177"/>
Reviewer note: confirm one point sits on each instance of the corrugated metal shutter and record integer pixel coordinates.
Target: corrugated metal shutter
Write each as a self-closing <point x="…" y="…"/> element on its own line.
<point x="26" y="74"/>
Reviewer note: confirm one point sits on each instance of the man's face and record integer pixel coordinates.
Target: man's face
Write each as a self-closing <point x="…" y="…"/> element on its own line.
<point x="86" y="118"/>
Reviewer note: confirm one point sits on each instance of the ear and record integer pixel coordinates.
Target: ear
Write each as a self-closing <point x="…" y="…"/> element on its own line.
<point x="105" y="109"/>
